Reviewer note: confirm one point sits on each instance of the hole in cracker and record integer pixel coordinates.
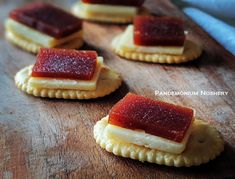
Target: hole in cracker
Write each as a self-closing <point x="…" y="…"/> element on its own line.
<point x="201" y="141"/>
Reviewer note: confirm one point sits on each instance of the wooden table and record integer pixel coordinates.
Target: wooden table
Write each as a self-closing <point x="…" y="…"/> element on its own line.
<point x="43" y="138"/>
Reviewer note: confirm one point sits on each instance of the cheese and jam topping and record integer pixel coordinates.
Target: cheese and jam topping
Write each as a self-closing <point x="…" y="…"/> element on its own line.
<point x="153" y="35"/>
<point x="59" y="83"/>
<point x="158" y="31"/>
<point x="47" y="19"/>
<point x="155" y="124"/>
<point x="66" y="69"/>
<point x="39" y="37"/>
<point x="126" y="43"/>
<point x="44" y="24"/>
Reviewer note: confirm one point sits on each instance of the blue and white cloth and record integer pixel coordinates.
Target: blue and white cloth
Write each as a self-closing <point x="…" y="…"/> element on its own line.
<point x="222" y="32"/>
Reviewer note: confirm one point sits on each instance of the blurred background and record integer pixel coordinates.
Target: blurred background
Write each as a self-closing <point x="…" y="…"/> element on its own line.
<point x="216" y="17"/>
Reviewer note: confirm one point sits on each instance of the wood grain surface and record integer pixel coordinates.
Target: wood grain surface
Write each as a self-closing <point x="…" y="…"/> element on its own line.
<point x="45" y="138"/>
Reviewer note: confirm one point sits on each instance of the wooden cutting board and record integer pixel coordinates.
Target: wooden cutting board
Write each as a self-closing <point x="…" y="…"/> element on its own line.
<point x="45" y="138"/>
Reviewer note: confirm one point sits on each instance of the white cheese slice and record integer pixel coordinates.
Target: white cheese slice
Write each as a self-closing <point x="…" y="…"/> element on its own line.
<point x="126" y="43"/>
<point x="38" y="37"/>
<point x="108" y="9"/>
<point x="139" y="137"/>
<point x="58" y="83"/>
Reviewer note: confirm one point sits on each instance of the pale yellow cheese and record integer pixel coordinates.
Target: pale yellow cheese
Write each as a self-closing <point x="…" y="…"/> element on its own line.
<point x="126" y="43"/>
<point x="139" y="137"/>
<point x="38" y="37"/>
<point x="56" y="83"/>
<point x="108" y="9"/>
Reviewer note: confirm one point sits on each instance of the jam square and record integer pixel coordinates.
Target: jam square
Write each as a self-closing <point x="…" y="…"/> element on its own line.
<point x="63" y="63"/>
<point x="158" y="31"/>
<point x="154" y="117"/>
<point x="47" y="19"/>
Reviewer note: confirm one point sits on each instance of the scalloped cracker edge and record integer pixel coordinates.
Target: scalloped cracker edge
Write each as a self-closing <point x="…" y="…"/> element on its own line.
<point x="32" y="47"/>
<point x="191" y="51"/>
<point x="107" y="83"/>
<point x="76" y="10"/>
<point x="204" y="144"/>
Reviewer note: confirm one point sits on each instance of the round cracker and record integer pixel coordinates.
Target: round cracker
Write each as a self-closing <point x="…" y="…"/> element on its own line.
<point x="204" y="144"/>
<point x="107" y="83"/>
<point x="191" y="51"/>
<point x="34" y="47"/>
<point x="106" y="18"/>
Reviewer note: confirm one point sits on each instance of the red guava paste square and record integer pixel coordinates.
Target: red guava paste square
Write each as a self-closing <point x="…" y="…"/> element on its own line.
<point x="158" y="31"/>
<point x="63" y="63"/>
<point x="154" y="117"/>
<point x="47" y="19"/>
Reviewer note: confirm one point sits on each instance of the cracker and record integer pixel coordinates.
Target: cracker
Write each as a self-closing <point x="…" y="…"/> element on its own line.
<point x="191" y="51"/>
<point x="107" y="83"/>
<point x="205" y="143"/>
<point x="107" y="18"/>
<point x="34" y="47"/>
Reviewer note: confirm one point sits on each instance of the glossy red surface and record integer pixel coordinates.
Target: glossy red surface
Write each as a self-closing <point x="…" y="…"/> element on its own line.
<point x="116" y="2"/>
<point x="154" y="117"/>
<point x="158" y="31"/>
<point x="47" y="19"/>
<point x="63" y="63"/>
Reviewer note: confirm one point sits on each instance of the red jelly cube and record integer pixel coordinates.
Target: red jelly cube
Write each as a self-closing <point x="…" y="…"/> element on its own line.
<point x="47" y="19"/>
<point x="116" y="2"/>
<point x="154" y="117"/>
<point x="63" y="63"/>
<point x="158" y="31"/>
